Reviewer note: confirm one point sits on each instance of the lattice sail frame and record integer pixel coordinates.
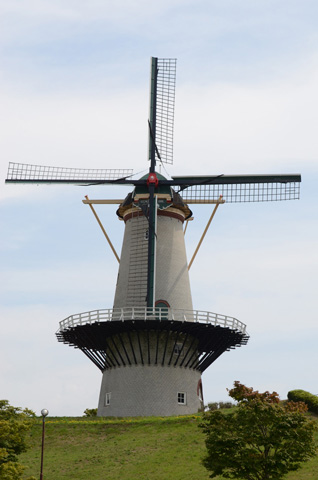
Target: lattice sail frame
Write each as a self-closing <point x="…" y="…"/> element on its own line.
<point x="242" y="192"/>
<point x="164" y="114"/>
<point x="35" y="173"/>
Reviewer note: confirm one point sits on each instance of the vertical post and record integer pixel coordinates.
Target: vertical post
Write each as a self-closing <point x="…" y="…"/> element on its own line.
<point x="152" y="249"/>
<point x="44" y="413"/>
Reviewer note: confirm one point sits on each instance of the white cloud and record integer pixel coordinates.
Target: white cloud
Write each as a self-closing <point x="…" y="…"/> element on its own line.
<point x="251" y="127"/>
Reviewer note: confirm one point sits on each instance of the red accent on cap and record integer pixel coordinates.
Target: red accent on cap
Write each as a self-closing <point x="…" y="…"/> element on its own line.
<point x="152" y="179"/>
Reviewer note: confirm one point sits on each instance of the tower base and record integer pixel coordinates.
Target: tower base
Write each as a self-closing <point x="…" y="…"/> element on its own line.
<point x="149" y="390"/>
<point x="151" y="361"/>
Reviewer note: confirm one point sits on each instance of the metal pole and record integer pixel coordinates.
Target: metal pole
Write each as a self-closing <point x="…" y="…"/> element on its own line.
<point x="44" y="413"/>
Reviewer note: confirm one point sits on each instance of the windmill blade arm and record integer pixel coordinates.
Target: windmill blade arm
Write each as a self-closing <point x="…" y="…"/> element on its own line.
<point x="80" y="182"/>
<point x="161" y="115"/>
<point x="239" y="188"/>
<point x="236" y="179"/>
<point x="26" y="173"/>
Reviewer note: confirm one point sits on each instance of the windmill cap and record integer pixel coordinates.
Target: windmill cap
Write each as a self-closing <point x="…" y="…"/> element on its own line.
<point x="166" y="196"/>
<point x="143" y="189"/>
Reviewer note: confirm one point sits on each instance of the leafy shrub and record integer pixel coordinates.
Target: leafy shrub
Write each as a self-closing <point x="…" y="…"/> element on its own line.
<point x="226" y="404"/>
<point x="216" y="405"/>
<point x="14" y="425"/>
<point x="260" y="439"/>
<point x="302" y="396"/>
<point x="90" y="412"/>
<point x="213" y="406"/>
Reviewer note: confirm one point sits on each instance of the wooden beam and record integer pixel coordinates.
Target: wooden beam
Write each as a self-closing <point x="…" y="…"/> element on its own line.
<point x="205" y="230"/>
<point x="186" y="225"/>
<point x="203" y="201"/>
<point x="102" y="228"/>
<point x="119" y="201"/>
<point x="101" y="202"/>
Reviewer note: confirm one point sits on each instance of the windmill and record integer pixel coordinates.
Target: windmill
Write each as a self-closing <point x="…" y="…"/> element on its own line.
<point x="152" y="347"/>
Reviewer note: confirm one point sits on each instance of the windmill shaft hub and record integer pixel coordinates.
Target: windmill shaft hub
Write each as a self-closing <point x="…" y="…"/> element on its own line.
<point x="152" y="180"/>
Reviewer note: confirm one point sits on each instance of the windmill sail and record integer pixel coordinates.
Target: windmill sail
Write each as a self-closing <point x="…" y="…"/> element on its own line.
<point x="239" y="188"/>
<point x="26" y="173"/>
<point x="161" y="114"/>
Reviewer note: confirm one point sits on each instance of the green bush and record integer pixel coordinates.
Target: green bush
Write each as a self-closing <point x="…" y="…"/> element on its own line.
<point x="90" y="412"/>
<point x="213" y="406"/>
<point x="226" y="404"/>
<point x="14" y="426"/>
<point x="302" y="396"/>
<point x="216" y="405"/>
<point x="259" y="439"/>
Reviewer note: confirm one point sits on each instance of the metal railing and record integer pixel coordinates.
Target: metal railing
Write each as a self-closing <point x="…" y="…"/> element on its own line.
<point x="145" y="313"/>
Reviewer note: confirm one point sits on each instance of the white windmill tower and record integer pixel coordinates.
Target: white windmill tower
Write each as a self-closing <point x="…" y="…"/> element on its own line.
<point x="152" y="347"/>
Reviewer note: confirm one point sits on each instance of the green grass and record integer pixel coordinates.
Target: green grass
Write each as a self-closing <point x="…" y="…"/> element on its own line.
<point x="124" y="449"/>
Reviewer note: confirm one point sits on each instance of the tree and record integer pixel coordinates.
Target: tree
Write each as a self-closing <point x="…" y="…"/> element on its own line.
<point x="262" y="439"/>
<point x="14" y="424"/>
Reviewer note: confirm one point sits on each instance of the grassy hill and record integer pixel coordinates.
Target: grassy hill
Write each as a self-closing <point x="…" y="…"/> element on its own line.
<point x="124" y="449"/>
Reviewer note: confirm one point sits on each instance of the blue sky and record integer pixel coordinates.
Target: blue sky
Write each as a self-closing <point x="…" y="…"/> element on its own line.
<point x="74" y="92"/>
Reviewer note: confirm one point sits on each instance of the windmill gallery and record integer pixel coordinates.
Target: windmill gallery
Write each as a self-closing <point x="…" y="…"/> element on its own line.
<point x="152" y="347"/>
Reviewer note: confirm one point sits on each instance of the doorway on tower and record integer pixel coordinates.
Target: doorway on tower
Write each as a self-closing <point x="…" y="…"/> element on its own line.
<point x="161" y="309"/>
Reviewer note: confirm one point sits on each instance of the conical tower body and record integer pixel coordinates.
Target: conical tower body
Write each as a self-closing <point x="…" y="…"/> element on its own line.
<point x="172" y="285"/>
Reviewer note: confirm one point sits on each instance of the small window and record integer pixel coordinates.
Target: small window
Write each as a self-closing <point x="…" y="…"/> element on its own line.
<point x="178" y="349"/>
<point x="182" y="398"/>
<point x="107" y="399"/>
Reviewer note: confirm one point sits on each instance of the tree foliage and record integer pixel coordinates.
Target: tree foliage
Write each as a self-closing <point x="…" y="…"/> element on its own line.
<point x="90" y="412"/>
<point x="308" y="398"/>
<point x="14" y="424"/>
<point x="263" y="439"/>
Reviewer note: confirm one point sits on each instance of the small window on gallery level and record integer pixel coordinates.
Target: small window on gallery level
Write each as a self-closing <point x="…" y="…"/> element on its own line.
<point x="178" y="349"/>
<point x="107" y="399"/>
<point x="182" y="398"/>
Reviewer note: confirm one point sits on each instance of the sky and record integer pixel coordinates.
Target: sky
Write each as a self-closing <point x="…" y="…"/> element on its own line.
<point x="74" y="92"/>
